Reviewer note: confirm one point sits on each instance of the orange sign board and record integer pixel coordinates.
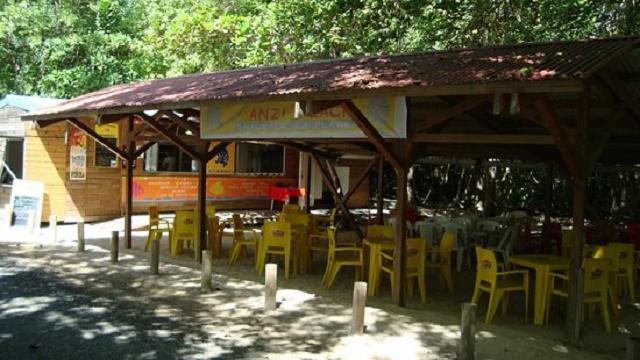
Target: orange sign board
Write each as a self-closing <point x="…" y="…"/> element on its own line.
<point x="171" y="188"/>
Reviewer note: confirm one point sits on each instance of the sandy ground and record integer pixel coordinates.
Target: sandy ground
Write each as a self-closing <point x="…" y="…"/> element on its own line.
<point x="57" y="303"/>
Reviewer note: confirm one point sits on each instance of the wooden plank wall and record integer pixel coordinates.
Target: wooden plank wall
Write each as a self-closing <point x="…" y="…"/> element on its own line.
<point x="45" y="160"/>
<point x="96" y="197"/>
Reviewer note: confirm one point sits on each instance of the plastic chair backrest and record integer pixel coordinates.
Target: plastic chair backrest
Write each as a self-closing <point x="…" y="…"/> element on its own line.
<point x="379" y="231"/>
<point x="291" y="208"/>
<point x="487" y="268"/>
<point x="446" y="245"/>
<point x="237" y="222"/>
<point x="210" y="210"/>
<point x="621" y="255"/>
<point x="298" y="219"/>
<point x="426" y="231"/>
<point x="153" y="216"/>
<point x="416" y="251"/>
<point x="488" y="225"/>
<point x="454" y="229"/>
<point x="595" y="275"/>
<point x="276" y="233"/>
<point x="185" y="222"/>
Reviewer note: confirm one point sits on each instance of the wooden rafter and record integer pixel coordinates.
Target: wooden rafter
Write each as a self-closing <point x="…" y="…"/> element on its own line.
<point x="216" y="149"/>
<point x="99" y="139"/>
<point x="340" y="204"/>
<point x="173" y="138"/>
<point x="455" y="110"/>
<point x="360" y="179"/>
<point x="485" y="139"/>
<point x="140" y="150"/>
<point x="137" y="131"/>
<point x="558" y="132"/>
<point x="617" y="86"/>
<point x="372" y="134"/>
<point x="182" y="122"/>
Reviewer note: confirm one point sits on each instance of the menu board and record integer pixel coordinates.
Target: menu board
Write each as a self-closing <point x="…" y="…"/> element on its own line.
<point x="26" y="198"/>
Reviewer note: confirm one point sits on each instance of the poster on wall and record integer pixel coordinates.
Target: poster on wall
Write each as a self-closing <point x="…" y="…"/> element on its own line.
<point x="277" y="120"/>
<point x="224" y="162"/>
<point x="77" y="154"/>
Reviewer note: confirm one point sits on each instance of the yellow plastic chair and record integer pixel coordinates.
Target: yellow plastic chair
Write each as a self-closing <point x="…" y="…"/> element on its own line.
<point x="339" y="256"/>
<point x="210" y="210"/>
<point x="183" y="231"/>
<point x="376" y="232"/>
<point x="415" y="266"/>
<point x="596" y="284"/>
<point x="291" y="208"/>
<point x="498" y="284"/>
<point x="300" y="227"/>
<point x="318" y="240"/>
<point x="157" y="226"/>
<point x="214" y="236"/>
<point x="276" y="239"/>
<point x="621" y="256"/>
<point x="240" y="242"/>
<point x="379" y="231"/>
<point x="442" y="261"/>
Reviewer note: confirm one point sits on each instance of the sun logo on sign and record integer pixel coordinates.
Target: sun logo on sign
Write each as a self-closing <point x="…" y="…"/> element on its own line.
<point x="277" y="233"/>
<point x="596" y="273"/>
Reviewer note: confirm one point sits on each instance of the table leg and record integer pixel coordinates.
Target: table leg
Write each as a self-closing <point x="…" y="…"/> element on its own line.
<point x="542" y="273"/>
<point x="373" y="250"/>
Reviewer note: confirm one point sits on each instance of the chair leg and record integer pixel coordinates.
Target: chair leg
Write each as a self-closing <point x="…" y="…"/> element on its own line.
<point x="476" y="295"/>
<point x="149" y="237"/>
<point x="234" y="253"/>
<point x="605" y="313"/>
<point x="422" y="286"/>
<point x="494" y="300"/>
<point x="334" y="272"/>
<point x="287" y="262"/>
<point x="326" y="271"/>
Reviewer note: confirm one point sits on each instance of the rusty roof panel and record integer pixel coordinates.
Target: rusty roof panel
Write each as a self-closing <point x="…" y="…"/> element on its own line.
<point x="567" y="60"/>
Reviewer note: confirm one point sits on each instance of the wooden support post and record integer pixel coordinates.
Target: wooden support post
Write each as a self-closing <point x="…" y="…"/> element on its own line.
<point x="202" y="199"/>
<point x="155" y="256"/>
<point x="548" y="203"/>
<point x="633" y="348"/>
<point x="80" y="236"/>
<point x="270" y="286"/>
<point x="576" y="289"/>
<point x="359" y="301"/>
<point x="115" y="239"/>
<point x="53" y="228"/>
<point x="307" y="190"/>
<point x="467" y="347"/>
<point x="399" y="253"/>
<point x="207" y="271"/>
<point x="380" y="192"/>
<point x="131" y="147"/>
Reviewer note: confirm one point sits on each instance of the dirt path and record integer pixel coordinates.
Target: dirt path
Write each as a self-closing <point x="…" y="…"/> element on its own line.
<point x="56" y="303"/>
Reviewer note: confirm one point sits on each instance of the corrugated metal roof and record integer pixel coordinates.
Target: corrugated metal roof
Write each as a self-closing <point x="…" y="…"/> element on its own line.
<point x="28" y="103"/>
<point x="535" y="62"/>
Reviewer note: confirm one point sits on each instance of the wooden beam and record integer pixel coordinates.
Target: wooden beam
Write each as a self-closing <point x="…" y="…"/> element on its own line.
<point x="558" y="132"/>
<point x="404" y="151"/>
<point x="173" y="138"/>
<point x="372" y="134"/>
<point x="202" y="198"/>
<point x="619" y="89"/>
<point x="337" y="197"/>
<point x="44" y="123"/>
<point x="216" y="149"/>
<point x="306" y="148"/>
<point x="312" y="107"/>
<point x="360" y="179"/>
<point x="99" y="139"/>
<point x="129" y="183"/>
<point x="140" y="150"/>
<point x="109" y="118"/>
<point x="455" y="110"/>
<point x="137" y="131"/>
<point x="182" y="122"/>
<point x="484" y="139"/>
<point x="379" y="194"/>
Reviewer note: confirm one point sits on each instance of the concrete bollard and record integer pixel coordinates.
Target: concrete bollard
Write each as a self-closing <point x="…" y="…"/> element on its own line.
<point x="270" y="286"/>
<point x="633" y="348"/>
<point x="115" y="238"/>
<point x="81" y="236"/>
<point x="468" y="332"/>
<point x="53" y="228"/>
<point x="359" y="301"/>
<point x="155" y="256"/>
<point x="207" y="270"/>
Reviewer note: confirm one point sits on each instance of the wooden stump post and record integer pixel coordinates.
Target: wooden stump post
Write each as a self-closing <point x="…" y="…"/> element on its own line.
<point x="115" y="238"/>
<point x="468" y="332"/>
<point x="207" y="270"/>
<point x="155" y="256"/>
<point x="359" y="301"/>
<point x="81" y="236"/>
<point x="270" y="286"/>
<point x="633" y="348"/>
<point x="53" y="228"/>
